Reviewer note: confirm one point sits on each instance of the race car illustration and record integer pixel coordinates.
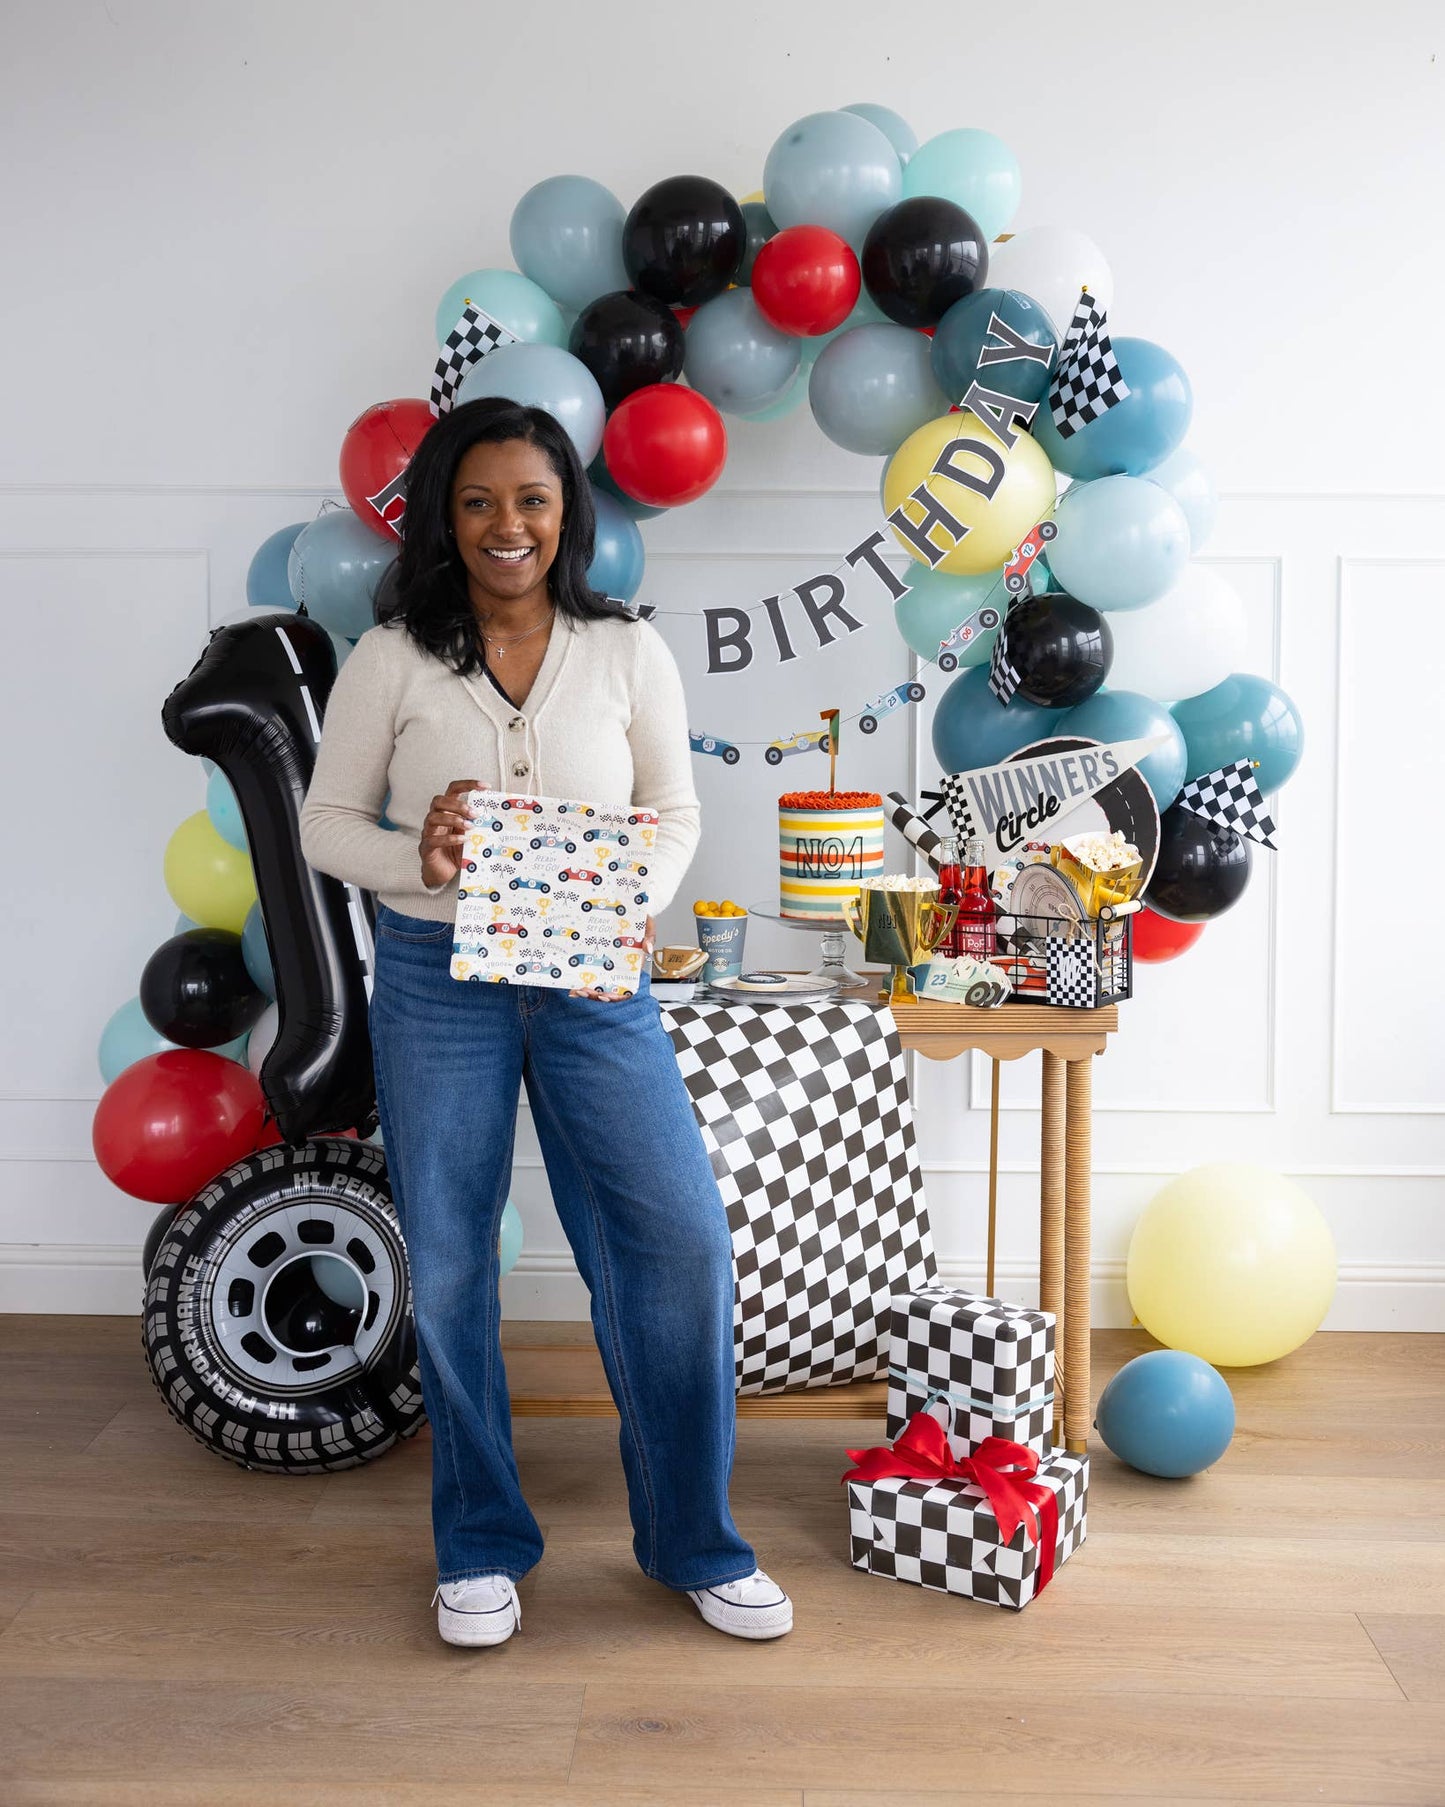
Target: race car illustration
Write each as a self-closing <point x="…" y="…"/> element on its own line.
<point x="979" y="622"/>
<point x="816" y="740"/>
<point x="577" y="876"/>
<point x="628" y="941"/>
<point x="591" y="960"/>
<point x="529" y="884"/>
<point x="565" y="934"/>
<point x="506" y="928"/>
<point x="885" y="705"/>
<point x="1015" y="572"/>
<point x="625" y="866"/>
<point x="709" y="743"/>
<point x="605" y="903"/>
<point x="497" y="853"/>
<point x="522" y="803"/>
<point x="539" y="966"/>
<point x="552" y="840"/>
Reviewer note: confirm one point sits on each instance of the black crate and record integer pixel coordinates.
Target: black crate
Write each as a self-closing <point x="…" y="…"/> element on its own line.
<point x="1021" y="954"/>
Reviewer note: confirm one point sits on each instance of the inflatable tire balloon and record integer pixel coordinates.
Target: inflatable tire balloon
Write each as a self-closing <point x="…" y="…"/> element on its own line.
<point x="257" y="1358"/>
<point x="253" y="703"/>
<point x="155" y="1235"/>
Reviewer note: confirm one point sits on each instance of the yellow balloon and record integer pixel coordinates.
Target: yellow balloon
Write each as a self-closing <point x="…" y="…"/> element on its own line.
<point x="756" y="195"/>
<point x="208" y="878"/>
<point x="1232" y="1263"/>
<point x="987" y="495"/>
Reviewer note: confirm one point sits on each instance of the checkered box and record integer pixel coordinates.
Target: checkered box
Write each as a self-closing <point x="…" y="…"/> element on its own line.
<point x="981" y="1367"/>
<point x="943" y="1534"/>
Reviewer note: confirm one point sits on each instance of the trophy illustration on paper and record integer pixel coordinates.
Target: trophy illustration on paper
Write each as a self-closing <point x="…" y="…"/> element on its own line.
<point x="899" y="921"/>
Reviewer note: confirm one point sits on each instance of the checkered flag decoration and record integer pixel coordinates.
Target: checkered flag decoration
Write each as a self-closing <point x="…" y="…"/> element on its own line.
<point x="1003" y="677"/>
<point x="1230" y="798"/>
<point x="1088" y="380"/>
<point x="914" y="829"/>
<point x="951" y="795"/>
<point x="805" y="1115"/>
<point x="1069" y="973"/>
<point x="473" y="336"/>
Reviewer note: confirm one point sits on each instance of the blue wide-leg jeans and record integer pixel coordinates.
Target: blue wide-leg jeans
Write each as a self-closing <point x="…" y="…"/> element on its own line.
<point x="636" y="1195"/>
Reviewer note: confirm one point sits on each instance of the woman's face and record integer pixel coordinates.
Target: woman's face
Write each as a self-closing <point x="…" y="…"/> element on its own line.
<point x="507" y="519"/>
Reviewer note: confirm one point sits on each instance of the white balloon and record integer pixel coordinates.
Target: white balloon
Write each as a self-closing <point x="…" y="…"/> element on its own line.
<point x="1186" y="643"/>
<point x="1051" y="264"/>
<point x="1193" y="489"/>
<point x="258" y="1043"/>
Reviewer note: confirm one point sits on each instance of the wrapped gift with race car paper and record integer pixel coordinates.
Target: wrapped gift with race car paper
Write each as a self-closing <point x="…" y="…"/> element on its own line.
<point x="981" y="1367"/>
<point x="553" y="892"/>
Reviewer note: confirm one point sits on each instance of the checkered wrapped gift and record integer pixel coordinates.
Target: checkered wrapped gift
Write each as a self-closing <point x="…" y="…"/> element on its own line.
<point x="981" y="1367"/>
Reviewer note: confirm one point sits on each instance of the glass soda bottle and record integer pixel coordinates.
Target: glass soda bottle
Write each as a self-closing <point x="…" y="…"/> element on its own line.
<point x="950" y="891"/>
<point x="977" y="912"/>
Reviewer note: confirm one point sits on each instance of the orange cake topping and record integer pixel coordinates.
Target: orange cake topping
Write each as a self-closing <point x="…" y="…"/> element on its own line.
<point x="829" y="800"/>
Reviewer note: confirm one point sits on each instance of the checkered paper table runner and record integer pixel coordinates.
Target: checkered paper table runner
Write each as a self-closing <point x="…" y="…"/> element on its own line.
<point x="805" y="1114"/>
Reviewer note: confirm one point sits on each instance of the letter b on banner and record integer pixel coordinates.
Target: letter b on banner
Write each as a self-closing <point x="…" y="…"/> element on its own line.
<point x="994" y="493"/>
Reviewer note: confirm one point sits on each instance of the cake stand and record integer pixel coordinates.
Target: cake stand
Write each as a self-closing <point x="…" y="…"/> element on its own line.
<point x="835" y="942"/>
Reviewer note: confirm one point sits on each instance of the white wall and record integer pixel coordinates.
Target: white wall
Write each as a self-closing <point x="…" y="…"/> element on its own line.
<point x="226" y="230"/>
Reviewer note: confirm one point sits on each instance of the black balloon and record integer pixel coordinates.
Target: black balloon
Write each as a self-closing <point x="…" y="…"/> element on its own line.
<point x="1201" y="871"/>
<point x="1060" y="648"/>
<point x="196" y="992"/>
<point x="684" y="241"/>
<point x="627" y="341"/>
<point x="254" y="703"/>
<point x="922" y="255"/>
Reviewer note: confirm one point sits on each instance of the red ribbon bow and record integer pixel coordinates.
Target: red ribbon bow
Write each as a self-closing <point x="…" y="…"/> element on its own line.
<point x="1002" y="1470"/>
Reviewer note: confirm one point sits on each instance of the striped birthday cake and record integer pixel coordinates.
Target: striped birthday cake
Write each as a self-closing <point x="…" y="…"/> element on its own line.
<point x="828" y="843"/>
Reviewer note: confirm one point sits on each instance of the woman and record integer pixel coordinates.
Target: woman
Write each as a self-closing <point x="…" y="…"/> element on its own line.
<point x="495" y="667"/>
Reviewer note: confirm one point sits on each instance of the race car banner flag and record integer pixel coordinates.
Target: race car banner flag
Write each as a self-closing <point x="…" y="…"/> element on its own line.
<point x="1088" y="380"/>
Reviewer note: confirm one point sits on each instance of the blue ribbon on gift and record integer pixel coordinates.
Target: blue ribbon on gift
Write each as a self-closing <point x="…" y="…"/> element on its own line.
<point x="989" y="1406"/>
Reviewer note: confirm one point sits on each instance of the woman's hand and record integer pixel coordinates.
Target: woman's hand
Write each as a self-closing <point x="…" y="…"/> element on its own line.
<point x="441" y="834"/>
<point x="649" y="936"/>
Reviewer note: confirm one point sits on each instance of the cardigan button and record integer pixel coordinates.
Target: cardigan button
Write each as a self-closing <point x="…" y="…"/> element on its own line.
<point x="517" y="724"/>
<point x="519" y="770"/>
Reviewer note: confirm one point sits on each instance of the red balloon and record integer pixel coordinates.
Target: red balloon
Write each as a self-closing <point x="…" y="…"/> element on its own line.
<point x="665" y="445"/>
<point x="684" y="316"/>
<point x="806" y="280"/>
<point x="378" y="447"/>
<point x="1157" y="938"/>
<point x="170" y="1123"/>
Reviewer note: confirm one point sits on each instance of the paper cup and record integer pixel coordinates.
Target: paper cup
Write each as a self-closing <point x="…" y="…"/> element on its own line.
<point x="721" y="939"/>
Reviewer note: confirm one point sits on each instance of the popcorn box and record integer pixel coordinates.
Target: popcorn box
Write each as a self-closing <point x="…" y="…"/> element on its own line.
<point x="981" y="1367"/>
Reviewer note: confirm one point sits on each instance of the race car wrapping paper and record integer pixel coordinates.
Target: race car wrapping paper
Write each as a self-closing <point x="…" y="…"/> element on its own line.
<point x="553" y="892"/>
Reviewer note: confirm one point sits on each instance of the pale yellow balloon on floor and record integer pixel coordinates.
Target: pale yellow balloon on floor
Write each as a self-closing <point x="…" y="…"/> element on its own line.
<point x="1233" y="1263"/>
<point x="208" y="878"/>
<point x="988" y="495"/>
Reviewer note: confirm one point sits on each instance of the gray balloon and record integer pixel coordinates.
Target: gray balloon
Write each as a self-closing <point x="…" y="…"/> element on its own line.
<point x="566" y="235"/>
<point x="761" y="227"/>
<point x="895" y="129"/>
<point x="873" y="386"/>
<point x="835" y="170"/>
<point x="735" y="358"/>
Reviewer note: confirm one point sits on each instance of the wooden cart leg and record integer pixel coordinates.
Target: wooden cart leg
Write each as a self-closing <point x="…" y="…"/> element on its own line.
<point x="1051" y="1220"/>
<point x="992" y="1179"/>
<point x="1077" y="1157"/>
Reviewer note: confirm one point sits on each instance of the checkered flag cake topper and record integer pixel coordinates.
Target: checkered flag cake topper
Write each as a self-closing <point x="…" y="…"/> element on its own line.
<point x="1230" y="798"/>
<point x="1088" y="380"/>
<point x="473" y="336"/>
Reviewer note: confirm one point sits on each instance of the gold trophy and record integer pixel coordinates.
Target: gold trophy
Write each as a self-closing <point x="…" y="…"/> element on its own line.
<point x="898" y="928"/>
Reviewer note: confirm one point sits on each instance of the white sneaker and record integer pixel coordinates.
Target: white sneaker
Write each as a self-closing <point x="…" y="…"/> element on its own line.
<point x="755" y="1607"/>
<point x="482" y="1610"/>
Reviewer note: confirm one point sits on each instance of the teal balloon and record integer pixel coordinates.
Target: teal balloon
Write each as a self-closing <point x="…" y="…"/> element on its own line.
<point x="618" y="556"/>
<point x="761" y="226"/>
<point x="972" y="168"/>
<point x="1126" y="715"/>
<point x="546" y="377"/>
<point x="835" y="170"/>
<point x="896" y="130"/>
<point x="1122" y="542"/>
<point x="225" y="811"/>
<point x="735" y="358"/>
<point x="1137" y="433"/>
<point x="972" y="728"/>
<point x="1191" y="486"/>
<point x="601" y="479"/>
<point x="513" y="301"/>
<point x="1245" y="717"/>
<point x="256" y="953"/>
<point x="266" y="585"/>
<point x="510" y="1238"/>
<point x="335" y="567"/>
<point x="566" y="234"/>
<point x="1166" y="1413"/>
<point x="874" y="386"/>
<point x="963" y="334"/>
<point x="128" y="1037"/>
<point x="935" y="603"/>
<point x="788" y="402"/>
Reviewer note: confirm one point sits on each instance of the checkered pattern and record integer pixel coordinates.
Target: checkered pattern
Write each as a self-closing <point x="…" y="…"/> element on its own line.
<point x="1088" y="381"/>
<point x="952" y="794"/>
<point x="981" y="1367"/>
<point x="943" y="1534"/>
<point x="805" y="1114"/>
<point x="1003" y="677"/>
<point x="914" y="829"/>
<point x="1230" y="798"/>
<point x="473" y="336"/>
<point x="1070" y="978"/>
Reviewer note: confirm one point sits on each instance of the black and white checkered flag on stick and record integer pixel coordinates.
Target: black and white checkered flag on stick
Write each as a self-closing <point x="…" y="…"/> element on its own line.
<point x="473" y="336"/>
<point x="913" y="828"/>
<point x="1003" y="678"/>
<point x="1088" y="380"/>
<point x="951" y="795"/>
<point x="1230" y="798"/>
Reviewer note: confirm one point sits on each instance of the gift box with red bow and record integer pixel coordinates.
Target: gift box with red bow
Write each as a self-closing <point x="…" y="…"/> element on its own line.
<point x="992" y="1526"/>
<point x="983" y="1368"/>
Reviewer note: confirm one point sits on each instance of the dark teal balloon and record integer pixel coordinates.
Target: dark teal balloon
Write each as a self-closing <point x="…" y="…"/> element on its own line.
<point x="601" y="478"/>
<point x="961" y="335"/>
<point x="267" y="585"/>
<point x="1245" y="717"/>
<point x="972" y="728"/>
<point x="618" y="558"/>
<point x="761" y="226"/>
<point x="1136" y="433"/>
<point x="1166" y="1413"/>
<point x="1126" y="715"/>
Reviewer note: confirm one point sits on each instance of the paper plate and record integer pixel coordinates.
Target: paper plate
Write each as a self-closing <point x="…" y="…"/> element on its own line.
<point x="796" y="988"/>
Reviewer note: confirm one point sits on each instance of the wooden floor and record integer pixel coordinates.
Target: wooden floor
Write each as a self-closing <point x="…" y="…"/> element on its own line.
<point x="173" y="1629"/>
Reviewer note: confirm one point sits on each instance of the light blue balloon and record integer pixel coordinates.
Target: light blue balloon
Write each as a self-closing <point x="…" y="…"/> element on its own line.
<point x="866" y="312"/>
<point x="735" y="358"/>
<point x="513" y="301"/>
<point x="341" y="646"/>
<point x="936" y="602"/>
<point x="1122" y="542"/>
<point x="256" y="953"/>
<point x="566" y="234"/>
<point x="618" y="556"/>
<point x="184" y="922"/>
<point x="602" y="479"/>
<point x="1166" y="1413"/>
<point x="972" y="168"/>
<point x="225" y="811"/>
<point x="543" y="376"/>
<point x="339" y="1281"/>
<point x="1138" y="432"/>
<point x="761" y="226"/>
<point x="1126" y="715"/>
<point x="1193" y="489"/>
<point x="789" y="402"/>
<point x="961" y="336"/>
<point x="895" y="129"/>
<point x="1245" y="717"/>
<point x="835" y="170"/>
<point x="266" y="585"/>
<point x="335" y="567"/>
<point x="128" y="1037"/>
<point x="874" y="386"/>
<point x="972" y="728"/>
<point x="510" y="1239"/>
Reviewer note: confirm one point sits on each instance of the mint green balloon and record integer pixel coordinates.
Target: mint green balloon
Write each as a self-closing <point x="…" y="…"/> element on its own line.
<point x="224" y="810"/>
<point x="128" y="1037"/>
<point x="510" y="1239"/>
<point x="971" y="168"/>
<point x="514" y="301"/>
<point x="936" y="602"/>
<point x="787" y="403"/>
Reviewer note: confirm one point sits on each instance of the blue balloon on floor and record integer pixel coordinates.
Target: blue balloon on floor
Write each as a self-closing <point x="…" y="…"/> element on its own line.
<point x="1166" y="1413"/>
<point x="510" y="1239"/>
<point x="618" y="557"/>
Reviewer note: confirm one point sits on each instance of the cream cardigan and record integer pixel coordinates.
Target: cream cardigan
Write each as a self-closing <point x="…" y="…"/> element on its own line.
<point x="604" y="722"/>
